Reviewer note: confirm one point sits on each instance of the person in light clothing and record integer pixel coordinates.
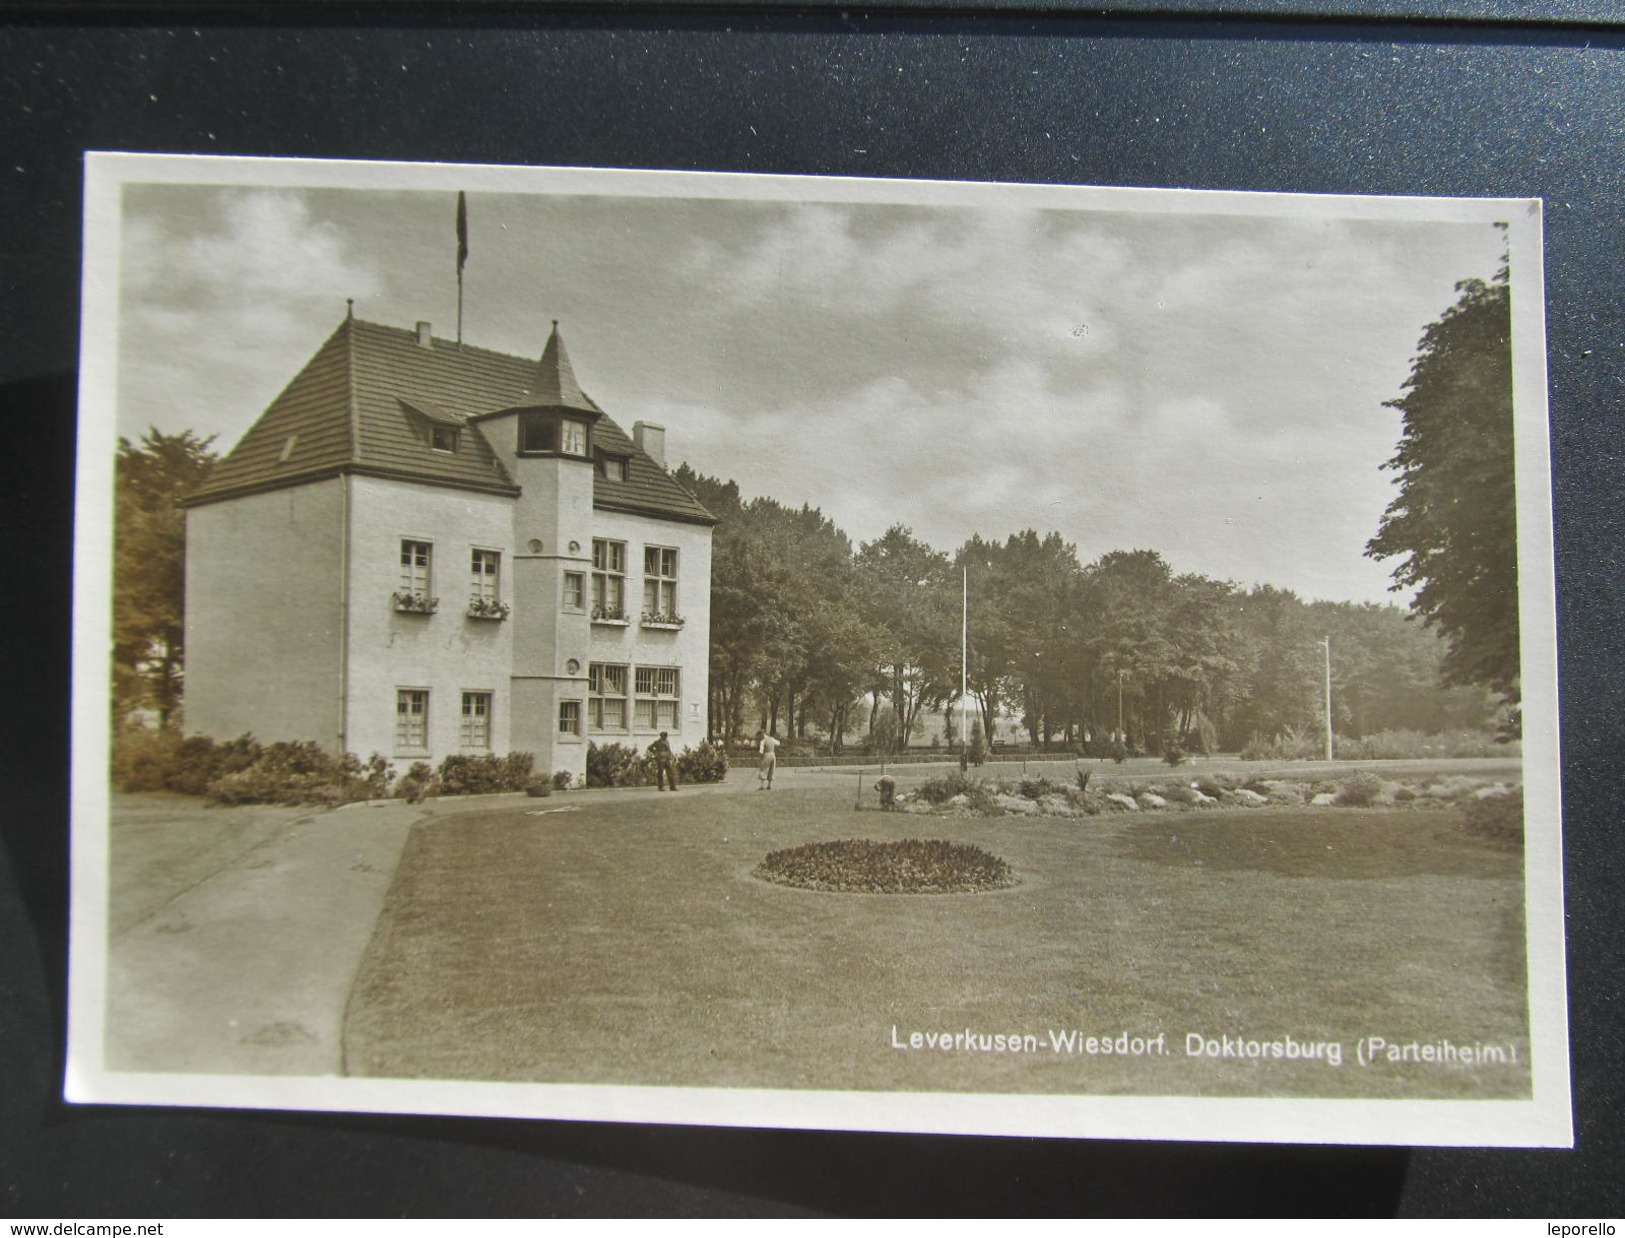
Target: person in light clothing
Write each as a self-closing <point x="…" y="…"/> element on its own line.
<point x="768" y="747"/>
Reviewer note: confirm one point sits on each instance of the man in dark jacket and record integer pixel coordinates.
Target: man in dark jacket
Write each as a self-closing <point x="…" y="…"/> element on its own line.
<point x="665" y="763"/>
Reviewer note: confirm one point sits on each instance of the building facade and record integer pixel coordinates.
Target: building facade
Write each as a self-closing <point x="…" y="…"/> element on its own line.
<point x="423" y="548"/>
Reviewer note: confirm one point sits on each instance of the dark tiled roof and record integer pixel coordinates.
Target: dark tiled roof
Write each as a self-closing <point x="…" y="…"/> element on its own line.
<point x="364" y="402"/>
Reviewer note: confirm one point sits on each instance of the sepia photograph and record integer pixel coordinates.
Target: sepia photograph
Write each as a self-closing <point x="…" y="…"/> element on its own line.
<point x="813" y="652"/>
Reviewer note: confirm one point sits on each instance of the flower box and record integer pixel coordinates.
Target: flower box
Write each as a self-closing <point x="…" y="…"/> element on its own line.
<point x="487" y="608"/>
<point x="415" y="604"/>
<point x="661" y="619"/>
<point x="609" y="614"/>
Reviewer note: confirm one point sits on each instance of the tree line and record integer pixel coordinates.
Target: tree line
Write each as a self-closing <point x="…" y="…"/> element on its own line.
<point x="818" y="639"/>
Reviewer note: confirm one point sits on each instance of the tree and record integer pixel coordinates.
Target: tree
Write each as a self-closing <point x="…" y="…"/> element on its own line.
<point x="149" y="568"/>
<point x="1455" y="518"/>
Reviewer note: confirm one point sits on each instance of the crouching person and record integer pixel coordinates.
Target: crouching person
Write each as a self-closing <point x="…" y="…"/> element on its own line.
<point x="887" y="786"/>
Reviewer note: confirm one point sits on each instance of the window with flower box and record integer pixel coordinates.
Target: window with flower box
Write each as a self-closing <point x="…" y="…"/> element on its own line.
<point x="656" y="698"/>
<point x="413" y="595"/>
<point x="608" y="580"/>
<point x="484" y="587"/>
<point x="412" y="720"/>
<point x="606" y="697"/>
<point x="660" y="586"/>
<point x="476" y="730"/>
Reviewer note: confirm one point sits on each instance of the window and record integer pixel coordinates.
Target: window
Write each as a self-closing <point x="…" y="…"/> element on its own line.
<point x="575" y="591"/>
<point x="572" y="438"/>
<point x="485" y="568"/>
<point x="538" y="433"/>
<point x="613" y="467"/>
<point x="606" y="704"/>
<point x="415" y="557"/>
<point x="608" y="579"/>
<point x="412" y="719"/>
<point x="657" y="693"/>
<point x="660" y="583"/>
<point x="476" y="731"/>
<point x="443" y="438"/>
<point x="570" y="718"/>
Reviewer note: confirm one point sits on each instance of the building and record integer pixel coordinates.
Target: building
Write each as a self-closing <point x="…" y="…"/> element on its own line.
<point x="423" y="548"/>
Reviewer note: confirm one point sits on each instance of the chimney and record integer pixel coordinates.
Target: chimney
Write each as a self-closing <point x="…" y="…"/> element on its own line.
<point x="425" y="338"/>
<point x="651" y="440"/>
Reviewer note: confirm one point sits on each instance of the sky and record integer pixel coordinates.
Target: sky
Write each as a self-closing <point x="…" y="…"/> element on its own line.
<point x="1207" y="383"/>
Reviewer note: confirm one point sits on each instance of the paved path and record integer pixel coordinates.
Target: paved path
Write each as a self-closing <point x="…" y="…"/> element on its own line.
<point x="245" y="964"/>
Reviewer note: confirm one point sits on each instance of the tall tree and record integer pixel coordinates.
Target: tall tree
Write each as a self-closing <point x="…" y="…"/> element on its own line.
<point x="149" y="568"/>
<point x="1455" y="518"/>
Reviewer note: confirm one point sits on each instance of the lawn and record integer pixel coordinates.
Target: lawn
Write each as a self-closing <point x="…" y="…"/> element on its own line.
<point x="626" y="941"/>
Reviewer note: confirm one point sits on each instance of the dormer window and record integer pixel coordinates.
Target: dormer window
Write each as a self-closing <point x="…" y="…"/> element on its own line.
<point x="443" y="438"/>
<point x="551" y="434"/>
<point x="612" y="467"/>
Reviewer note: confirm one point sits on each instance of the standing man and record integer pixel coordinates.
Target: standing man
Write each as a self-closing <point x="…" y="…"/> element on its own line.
<point x="768" y="747"/>
<point x="665" y="763"/>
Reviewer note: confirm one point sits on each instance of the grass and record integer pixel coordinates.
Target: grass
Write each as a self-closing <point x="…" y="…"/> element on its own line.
<point x="628" y="942"/>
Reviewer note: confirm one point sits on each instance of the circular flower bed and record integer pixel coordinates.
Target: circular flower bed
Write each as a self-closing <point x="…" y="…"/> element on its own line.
<point x="912" y="866"/>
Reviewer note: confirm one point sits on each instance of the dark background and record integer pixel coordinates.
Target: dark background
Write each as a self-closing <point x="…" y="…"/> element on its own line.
<point x="1452" y="97"/>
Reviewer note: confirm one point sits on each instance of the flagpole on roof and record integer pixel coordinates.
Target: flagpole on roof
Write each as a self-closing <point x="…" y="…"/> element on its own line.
<point x="462" y="258"/>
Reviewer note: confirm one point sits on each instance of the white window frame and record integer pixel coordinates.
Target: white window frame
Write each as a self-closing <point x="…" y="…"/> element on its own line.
<point x="660" y="585"/>
<point x="664" y="708"/>
<point x="484" y="585"/>
<point x="417" y="578"/>
<point x="601" y="693"/>
<point x="475" y="729"/>
<point x="608" y="578"/>
<point x="406" y="730"/>
<point x="576" y="583"/>
<point x="570" y="708"/>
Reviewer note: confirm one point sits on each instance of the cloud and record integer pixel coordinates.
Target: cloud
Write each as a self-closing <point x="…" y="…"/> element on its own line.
<point x="220" y="288"/>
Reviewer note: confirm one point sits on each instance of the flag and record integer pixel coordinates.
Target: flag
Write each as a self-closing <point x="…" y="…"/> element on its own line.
<point x="462" y="231"/>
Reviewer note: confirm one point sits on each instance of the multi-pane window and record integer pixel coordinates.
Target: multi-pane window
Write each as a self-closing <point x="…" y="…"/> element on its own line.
<point x="572" y="438"/>
<point x="412" y="718"/>
<point x="486" y="567"/>
<point x="660" y="582"/>
<point x="606" y="697"/>
<point x="575" y="591"/>
<point x="476" y="731"/>
<point x="656" y="700"/>
<point x="443" y="438"/>
<point x="569" y="717"/>
<point x="608" y="579"/>
<point x="613" y="467"/>
<point x="415" y="558"/>
<point x="538" y="433"/>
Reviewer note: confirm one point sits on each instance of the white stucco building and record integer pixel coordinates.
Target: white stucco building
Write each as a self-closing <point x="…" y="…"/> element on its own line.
<point x="424" y="548"/>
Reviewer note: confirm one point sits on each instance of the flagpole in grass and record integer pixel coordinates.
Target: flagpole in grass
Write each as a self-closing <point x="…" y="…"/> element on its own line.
<point x="1327" y="646"/>
<point x="462" y="258"/>
<point x="964" y="666"/>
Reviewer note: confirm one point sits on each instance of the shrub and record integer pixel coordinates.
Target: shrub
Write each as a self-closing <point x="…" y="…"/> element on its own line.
<point x="618" y="765"/>
<point x="1173" y="756"/>
<point x="707" y="763"/>
<point x="301" y="773"/>
<point x="1037" y="788"/>
<point x="485" y="774"/>
<point x="418" y="781"/>
<point x="563" y="780"/>
<point x="1359" y="791"/>
<point x="939" y="791"/>
<point x="161" y="760"/>
<point x="1117" y="750"/>
<point x="978" y="746"/>
<point x="1498" y="818"/>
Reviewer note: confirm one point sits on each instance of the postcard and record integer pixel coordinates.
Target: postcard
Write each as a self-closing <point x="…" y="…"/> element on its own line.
<point x="782" y="651"/>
